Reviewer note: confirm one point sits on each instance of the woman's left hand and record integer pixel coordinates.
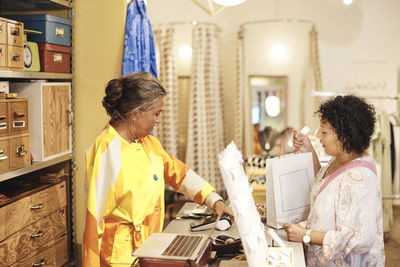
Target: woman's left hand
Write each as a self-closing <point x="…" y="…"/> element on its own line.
<point x="294" y="232"/>
<point x="220" y="207"/>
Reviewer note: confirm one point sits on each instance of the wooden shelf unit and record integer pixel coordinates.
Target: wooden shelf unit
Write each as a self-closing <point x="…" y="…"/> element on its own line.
<point x="64" y="162"/>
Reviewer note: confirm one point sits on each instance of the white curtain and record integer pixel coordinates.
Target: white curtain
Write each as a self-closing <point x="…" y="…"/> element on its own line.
<point x="205" y="137"/>
<point x="167" y="130"/>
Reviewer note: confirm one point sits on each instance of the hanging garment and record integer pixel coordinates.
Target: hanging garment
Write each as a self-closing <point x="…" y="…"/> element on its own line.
<point x="139" y="52"/>
<point x="125" y="195"/>
<point x="380" y="148"/>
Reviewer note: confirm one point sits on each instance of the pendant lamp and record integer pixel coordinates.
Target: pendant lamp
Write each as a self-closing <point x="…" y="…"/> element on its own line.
<point x="229" y="2"/>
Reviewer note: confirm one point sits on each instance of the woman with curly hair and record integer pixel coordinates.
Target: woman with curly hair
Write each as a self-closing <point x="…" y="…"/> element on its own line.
<point x="344" y="227"/>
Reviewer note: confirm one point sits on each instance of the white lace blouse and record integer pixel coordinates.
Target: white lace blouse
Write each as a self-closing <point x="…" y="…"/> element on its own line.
<point x="349" y="210"/>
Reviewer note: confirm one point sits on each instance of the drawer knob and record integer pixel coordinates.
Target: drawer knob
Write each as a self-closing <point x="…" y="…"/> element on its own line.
<point x="18" y="115"/>
<point x="15" y="57"/>
<point x="70" y="116"/>
<point x="14" y="31"/>
<point x="41" y="263"/>
<point x="39" y="234"/>
<point x="37" y="207"/>
<point x="21" y="151"/>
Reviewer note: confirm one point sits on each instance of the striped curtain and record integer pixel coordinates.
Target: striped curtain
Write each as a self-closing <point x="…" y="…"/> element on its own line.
<point x="205" y="137"/>
<point x="239" y="96"/>
<point x="311" y="82"/>
<point x="167" y="131"/>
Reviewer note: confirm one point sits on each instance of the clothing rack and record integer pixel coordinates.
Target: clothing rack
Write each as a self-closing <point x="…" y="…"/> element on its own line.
<point x="278" y="21"/>
<point x="332" y="94"/>
<point x="188" y="22"/>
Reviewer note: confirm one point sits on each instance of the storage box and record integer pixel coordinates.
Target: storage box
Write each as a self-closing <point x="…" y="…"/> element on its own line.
<point x="55" y="30"/>
<point x="50" y="117"/>
<point x="55" y="58"/>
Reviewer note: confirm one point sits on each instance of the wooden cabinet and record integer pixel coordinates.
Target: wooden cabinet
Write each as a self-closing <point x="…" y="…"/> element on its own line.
<point x="50" y="115"/>
<point x="34" y="216"/>
<point x="36" y="225"/>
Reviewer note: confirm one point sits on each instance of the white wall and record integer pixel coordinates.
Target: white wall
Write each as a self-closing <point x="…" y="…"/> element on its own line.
<point x="357" y="43"/>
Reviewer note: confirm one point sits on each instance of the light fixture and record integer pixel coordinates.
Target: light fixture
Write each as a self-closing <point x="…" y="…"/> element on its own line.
<point x="185" y="51"/>
<point x="229" y="2"/>
<point x="347" y="2"/>
<point x="214" y="7"/>
<point x="255" y="115"/>
<point x="278" y="51"/>
<point x="272" y="106"/>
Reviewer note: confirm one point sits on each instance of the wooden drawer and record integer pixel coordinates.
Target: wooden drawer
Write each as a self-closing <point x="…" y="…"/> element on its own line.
<point x="3" y="55"/>
<point x="15" y="57"/>
<point x="20" y="155"/>
<point x="21" y="213"/>
<point x="15" y="34"/>
<point x="4" y="118"/>
<point x="3" y="31"/>
<point x="33" y="236"/>
<point x="4" y="155"/>
<point x="54" y="253"/>
<point x="19" y="116"/>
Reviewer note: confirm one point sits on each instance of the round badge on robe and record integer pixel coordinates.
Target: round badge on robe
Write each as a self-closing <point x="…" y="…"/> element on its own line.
<point x="155" y="177"/>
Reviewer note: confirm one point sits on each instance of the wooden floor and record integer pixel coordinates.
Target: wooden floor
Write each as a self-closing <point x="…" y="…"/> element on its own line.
<point x="392" y="241"/>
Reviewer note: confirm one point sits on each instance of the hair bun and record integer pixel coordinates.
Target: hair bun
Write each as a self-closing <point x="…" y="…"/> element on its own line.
<point x="114" y="91"/>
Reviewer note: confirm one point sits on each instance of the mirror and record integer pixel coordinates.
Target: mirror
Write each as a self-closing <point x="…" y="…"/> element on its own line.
<point x="268" y="111"/>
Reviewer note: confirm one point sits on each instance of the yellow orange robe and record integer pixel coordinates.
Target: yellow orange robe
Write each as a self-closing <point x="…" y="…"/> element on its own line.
<point x="125" y="195"/>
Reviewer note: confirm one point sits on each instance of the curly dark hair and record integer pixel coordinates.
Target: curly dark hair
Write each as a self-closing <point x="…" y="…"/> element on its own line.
<point x="353" y="120"/>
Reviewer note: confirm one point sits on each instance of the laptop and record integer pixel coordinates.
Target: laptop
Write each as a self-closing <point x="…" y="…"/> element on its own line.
<point x="181" y="247"/>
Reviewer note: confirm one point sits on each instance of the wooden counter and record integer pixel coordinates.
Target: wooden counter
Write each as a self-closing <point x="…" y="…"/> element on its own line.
<point x="182" y="227"/>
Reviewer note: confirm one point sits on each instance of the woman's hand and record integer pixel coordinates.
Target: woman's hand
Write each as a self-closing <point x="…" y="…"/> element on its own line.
<point x="220" y="207"/>
<point x="294" y="232"/>
<point x="301" y="143"/>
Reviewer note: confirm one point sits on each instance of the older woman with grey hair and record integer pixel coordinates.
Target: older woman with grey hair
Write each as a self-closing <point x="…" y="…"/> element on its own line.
<point x="126" y="171"/>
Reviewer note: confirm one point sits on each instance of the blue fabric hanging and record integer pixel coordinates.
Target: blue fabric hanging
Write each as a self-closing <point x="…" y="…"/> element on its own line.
<point x="139" y="51"/>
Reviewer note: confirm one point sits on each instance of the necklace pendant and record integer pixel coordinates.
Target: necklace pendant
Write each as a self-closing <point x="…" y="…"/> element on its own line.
<point x="155" y="177"/>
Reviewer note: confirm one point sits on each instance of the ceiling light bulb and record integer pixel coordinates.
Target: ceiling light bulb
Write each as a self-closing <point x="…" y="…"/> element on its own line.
<point x="272" y="106"/>
<point x="228" y="2"/>
<point x="185" y="51"/>
<point x="278" y="51"/>
<point x="347" y="2"/>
